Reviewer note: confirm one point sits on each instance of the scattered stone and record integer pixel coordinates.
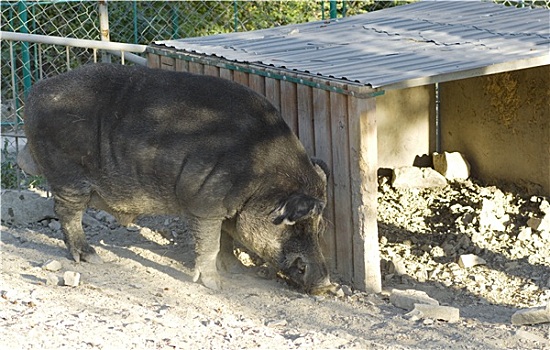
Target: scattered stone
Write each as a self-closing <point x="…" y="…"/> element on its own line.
<point x="437" y="312"/>
<point x="105" y="217"/>
<point x="524" y="234"/>
<point x="492" y="216"/>
<point x="413" y="177"/>
<point x="133" y="228"/>
<point x="54" y="225"/>
<point x="90" y="221"/>
<point x="453" y="166"/>
<point x="405" y="299"/>
<point x="276" y="323"/>
<point x="25" y="207"/>
<point x="534" y="315"/>
<point x="71" y="278"/>
<point x="52" y="265"/>
<point x="339" y="293"/>
<point x="531" y="337"/>
<point x="539" y="224"/>
<point x="397" y="266"/>
<point x="470" y="260"/>
<point x="52" y="279"/>
<point x="346" y="290"/>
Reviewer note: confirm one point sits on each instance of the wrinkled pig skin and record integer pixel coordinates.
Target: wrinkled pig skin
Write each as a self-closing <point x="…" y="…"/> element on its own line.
<point x="134" y="140"/>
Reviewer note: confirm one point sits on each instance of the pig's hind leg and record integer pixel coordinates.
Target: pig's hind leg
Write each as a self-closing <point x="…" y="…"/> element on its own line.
<point x="70" y="204"/>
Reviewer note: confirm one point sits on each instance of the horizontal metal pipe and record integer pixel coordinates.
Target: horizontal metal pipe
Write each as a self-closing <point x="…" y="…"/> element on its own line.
<point x="128" y="56"/>
<point x="84" y="43"/>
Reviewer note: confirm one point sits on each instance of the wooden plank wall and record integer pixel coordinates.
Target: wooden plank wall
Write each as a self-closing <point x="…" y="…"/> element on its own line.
<point x="330" y="127"/>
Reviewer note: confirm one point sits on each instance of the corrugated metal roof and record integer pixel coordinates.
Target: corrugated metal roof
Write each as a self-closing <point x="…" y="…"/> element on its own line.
<point x="385" y="48"/>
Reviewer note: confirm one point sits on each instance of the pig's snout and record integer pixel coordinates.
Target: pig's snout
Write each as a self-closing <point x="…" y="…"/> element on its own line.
<point x="313" y="277"/>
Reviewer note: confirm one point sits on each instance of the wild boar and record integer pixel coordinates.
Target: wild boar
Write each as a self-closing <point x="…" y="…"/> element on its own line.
<point x="134" y="140"/>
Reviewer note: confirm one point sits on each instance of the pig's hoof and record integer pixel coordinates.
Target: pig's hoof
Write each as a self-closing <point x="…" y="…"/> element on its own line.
<point x="209" y="280"/>
<point x="87" y="253"/>
<point x="92" y="258"/>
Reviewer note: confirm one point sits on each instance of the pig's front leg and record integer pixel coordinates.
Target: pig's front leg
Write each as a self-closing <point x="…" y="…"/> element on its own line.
<point x="207" y="245"/>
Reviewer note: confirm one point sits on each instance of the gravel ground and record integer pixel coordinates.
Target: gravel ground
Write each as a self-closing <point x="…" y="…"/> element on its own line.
<point x="142" y="297"/>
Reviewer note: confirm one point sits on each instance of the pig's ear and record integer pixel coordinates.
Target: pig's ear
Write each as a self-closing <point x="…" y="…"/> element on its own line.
<point x="321" y="168"/>
<point x="297" y="207"/>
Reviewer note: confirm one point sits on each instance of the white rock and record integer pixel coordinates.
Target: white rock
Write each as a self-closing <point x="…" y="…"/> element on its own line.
<point x="469" y="260"/>
<point x="276" y="323"/>
<point x="398" y="267"/>
<point x="90" y="221"/>
<point x="437" y="312"/>
<point x="453" y="166"/>
<point x="105" y="217"/>
<point x="489" y="216"/>
<point x="55" y="225"/>
<point x="539" y="224"/>
<point x="71" y="278"/>
<point x="406" y="299"/>
<point x="52" y="265"/>
<point x="525" y="233"/>
<point x="52" y="279"/>
<point x="534" y="315"/>
<point x="24" y="207"/>
<point x="346" y="290"/>
<point x="414" y="177"/>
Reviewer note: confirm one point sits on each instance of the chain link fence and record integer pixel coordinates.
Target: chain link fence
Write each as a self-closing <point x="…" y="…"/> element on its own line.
<point x="137" y="22"/>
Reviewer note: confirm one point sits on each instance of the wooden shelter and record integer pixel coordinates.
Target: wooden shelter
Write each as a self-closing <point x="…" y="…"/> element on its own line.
<point x="360" y="93"/>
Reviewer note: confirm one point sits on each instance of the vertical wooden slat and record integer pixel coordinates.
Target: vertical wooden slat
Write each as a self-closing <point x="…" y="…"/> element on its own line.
<point x="226" y="73"/>
<point x="323" y="151"/>
<point x="273" y="92"/>
<point x="182" y="66"/>
<point x="153" y="60"/>
<point x="167" y="63"/>
<point x="211" y="70"/>
<point x="196" y="68"/>
<point x="289" y="104"/>
<point x="364" y="189"/>
<point x="257" y="83"/>
<point x="305" y="118"/>
<point x="342" y="190"/>
<point x="240" y="77"/>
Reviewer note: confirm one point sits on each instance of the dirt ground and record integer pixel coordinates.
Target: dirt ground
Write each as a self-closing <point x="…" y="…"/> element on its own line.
<point x="143" y="297"/>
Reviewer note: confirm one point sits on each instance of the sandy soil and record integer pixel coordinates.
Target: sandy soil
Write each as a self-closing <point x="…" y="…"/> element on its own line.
<point x="142" y="297"/>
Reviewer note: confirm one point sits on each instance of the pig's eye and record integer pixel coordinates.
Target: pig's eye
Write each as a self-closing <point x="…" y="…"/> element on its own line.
<point x="300" y="265"/>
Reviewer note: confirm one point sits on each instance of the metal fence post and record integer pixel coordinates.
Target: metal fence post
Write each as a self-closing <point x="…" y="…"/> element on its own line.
<point x="333" y="12"/>
<point x="135" y="23"/>
<point x="104" y="28"/>
<point x="235" y="16"/>
<point x="25" y="55"/>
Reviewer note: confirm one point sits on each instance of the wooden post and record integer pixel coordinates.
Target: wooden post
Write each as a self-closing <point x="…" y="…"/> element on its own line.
<point x="257" y="83"/>
<point x="289" y="109"/>
<point x="323" y="150"/>
<point x="364" y="187"/>
<point x="167" y="63"/>
<point x="226" y="74"/>
<point x="342" y="189"/>
<point x="240" y="77"/>
<point x="153" y="61"/>
<point x="305" y="118"/>
<point x="212" y="71"/>
<point x="273" y="92"/>
<point x="182" y="66"/>
<point x="196" y="68"/>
